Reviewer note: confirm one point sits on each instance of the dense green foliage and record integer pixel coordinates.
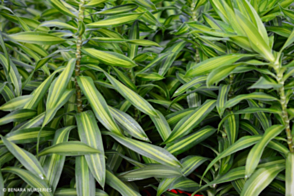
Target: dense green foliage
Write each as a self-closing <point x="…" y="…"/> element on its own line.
<point x="114" y="97"/>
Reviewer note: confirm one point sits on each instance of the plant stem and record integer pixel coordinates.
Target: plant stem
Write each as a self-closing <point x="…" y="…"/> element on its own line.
<point x="78" y="55"/>
<point x="283" y="102"/>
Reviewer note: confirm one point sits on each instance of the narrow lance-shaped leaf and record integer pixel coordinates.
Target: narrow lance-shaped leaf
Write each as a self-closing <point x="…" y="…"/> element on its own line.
<point x="256" y="152"/>
<point x="115" y="20"/>
<point x="29" y="178"/>
<point x="72" y="148"/>
<point x="213" y="63"/>
<point x="28" y="160"/>
<point x="90" y="135"/>
<point x="110" y="58"/>
<point x="151" y="151"/>
<point x="191" y="121"/>
<point x="53" y="165"/>
<point x="149" y="171"/>
<point x="289" y="174"/>
<point x="132" y="96"/>
<point x="16" y="103"/>
<point x="98" y="104"/>
<point x="261" y="179"/>
<point x="24" y="136"/>
<point x="36" y="38"/>
<point x="129" y="124"/>
<point x="118" y="185"/>
<point x="222" y="98"/>
<point x="61" y="7"/>
<point x="85" y="183"/>
<point x="185" y="143"/>
<point x="17" y="116"/>
<point x="162" y="125"/>
<point x="191" y="162"/>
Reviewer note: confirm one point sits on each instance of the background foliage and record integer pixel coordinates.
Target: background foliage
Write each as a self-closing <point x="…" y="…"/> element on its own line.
<point x="122" y="97"/>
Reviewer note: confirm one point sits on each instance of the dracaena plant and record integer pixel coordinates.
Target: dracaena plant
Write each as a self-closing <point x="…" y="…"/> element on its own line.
<point x="140" y="97"/>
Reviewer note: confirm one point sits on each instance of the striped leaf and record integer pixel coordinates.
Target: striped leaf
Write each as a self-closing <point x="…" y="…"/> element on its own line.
<point x="36" y="38"/>
<point x="58" y="24"/>
<point x="146" y="3"/>
<point x="256" y="152"/>
<point x="12" y="74"/>
<point x="118" y="185"/>
<point x="185" y="143"/>
<point x="138" y="101"/>
<point x="289" y="174"/>
<point x="28" y="160"/>
<point x="213" y="63"/>
<point x="261" y="179"/>
<point x="58" y="4"/>
<point x="24" y="136"/>
<point x="73" y="192"/>
<point x="119" y="9"/>
<point x="66" y="148"/>
<point x="110" y="58"/>
<point x="85" y="183"/>
<point x="220" y="73"/>
<point x="98" y="104"/>
<point x="264" y="120"/>
<point x="190" y="163"/>
<point x="59" y="85"/>
<point x="194" y="83"/>
<point x="17" y="116"/>
<point x="164" y="185"/>
<point x="185" y="184"/>
<point x="16" y="103"/>
<point x="231" y="126"/>
<point x="50" y="112"/>
<point x="39" y="93"/>
<point x="129" y="124"/>
<point x="162" y="125"/>
<point x="53" y="165"/>
<point x="115" y="20"/>
<point x="151" y="151"/>
<point x="242" y="143"/>
<point x="94" y="3"/>
<point x="256" y="96"/>
<point x="185" y="125"/>
<point x="149" y="171"/>
<point x="222" y="98"/>
<point x="29" y="178"/>
<point x="33" y="122"/>
<point x="90" y="135"/>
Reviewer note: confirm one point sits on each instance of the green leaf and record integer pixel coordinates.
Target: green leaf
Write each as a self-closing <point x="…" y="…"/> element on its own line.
<point x="115" y="20"/>
<point x="85" y="183"/>
<point x="54" y="163"/>
<point x="149" y="171"/>
<point x="151" y="151"/>
<point x="185" y="143"/>
<point x="58" y="24"/>
<point x="134" y="98"/>
<point x="36" y="38"/>
<point x="185" y="125"/>
<point x="265" y="83"/>
<point x="29" y="135"/>
<point x="98" y="104"/>
<point x="17" y="116"/>
<point x="28" y="160"/>
<point x="16" y="103"/>
<point x="289" y="174"/>
<point x="162" y="125"/>
<point x="118" y="185"/>
<point x="71" y="148"/>
<point x="94" y="3"/>
<point x="110" y="58"/>
<point x="210" y="64"/>
<point x="62" y="8"/>
<point x="146" y="3"/>
<point x="222" y="98"/>
<point x="29" y="178"/>
<point x="191" y="162"/>
<point x="90" y="135"/>
<point x="119" y="9"/>
<point x="256" y="96"/>
<point x="256" y="152"/>
<point x="219" y="74"/>
<point x="194" y="83"/>
<point x="129" y="124"/>
<point x="261" y="179"/>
